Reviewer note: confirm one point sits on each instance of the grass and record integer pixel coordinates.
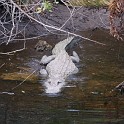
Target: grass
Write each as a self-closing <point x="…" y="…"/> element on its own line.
<point x="89" y="2"/>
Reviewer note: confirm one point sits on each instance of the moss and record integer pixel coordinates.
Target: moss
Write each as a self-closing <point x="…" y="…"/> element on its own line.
<point x="18" y="76"/>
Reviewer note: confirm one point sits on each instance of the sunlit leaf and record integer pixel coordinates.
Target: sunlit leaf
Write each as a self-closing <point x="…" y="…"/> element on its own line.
<point x="38" y="10"/>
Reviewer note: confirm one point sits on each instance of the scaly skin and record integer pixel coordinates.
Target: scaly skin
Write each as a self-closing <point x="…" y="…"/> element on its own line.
<point x="59" y="66"/>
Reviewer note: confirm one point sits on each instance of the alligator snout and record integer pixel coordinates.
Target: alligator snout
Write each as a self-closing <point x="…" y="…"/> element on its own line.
<point x="54" y="85"/>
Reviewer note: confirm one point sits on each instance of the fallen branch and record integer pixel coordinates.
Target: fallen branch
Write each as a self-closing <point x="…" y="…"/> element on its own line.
<point x="12" y="52"/>
<point x="119" y="86"/>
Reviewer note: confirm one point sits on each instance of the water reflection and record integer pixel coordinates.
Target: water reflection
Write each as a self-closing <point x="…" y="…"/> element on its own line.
<point x="87" y="98"/>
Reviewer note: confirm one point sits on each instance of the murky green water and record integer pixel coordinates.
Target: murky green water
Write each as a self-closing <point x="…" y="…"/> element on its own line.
<point x="87" y="98"/>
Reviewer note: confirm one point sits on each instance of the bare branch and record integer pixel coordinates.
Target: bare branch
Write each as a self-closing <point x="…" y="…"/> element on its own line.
<point x="52" y="27"/>
<point x="2" y="65"/>
<point x="12" y="52"/>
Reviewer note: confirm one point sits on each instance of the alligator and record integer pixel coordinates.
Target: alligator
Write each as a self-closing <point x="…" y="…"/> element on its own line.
<point x="59" y="66"/>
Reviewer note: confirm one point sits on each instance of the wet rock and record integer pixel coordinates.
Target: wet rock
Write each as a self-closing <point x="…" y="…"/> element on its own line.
<point x="42" y="46"/>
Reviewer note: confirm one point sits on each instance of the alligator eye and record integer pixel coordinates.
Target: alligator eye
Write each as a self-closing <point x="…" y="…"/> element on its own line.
<point x="59" y="82"/>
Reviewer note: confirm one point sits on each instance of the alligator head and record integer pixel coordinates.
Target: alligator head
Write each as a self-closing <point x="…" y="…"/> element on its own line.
<point x="54" y="85"/>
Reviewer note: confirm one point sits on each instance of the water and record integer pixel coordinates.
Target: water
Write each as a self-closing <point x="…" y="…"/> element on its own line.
<point x="87" y="98"/>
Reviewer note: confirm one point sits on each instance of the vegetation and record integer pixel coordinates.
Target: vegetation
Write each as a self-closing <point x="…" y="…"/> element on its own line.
<point x="89" y="2"/>
<point x="116" y="8"/>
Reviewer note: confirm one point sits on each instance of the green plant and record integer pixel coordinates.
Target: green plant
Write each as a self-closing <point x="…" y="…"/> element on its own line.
<point x="46" y="5"/>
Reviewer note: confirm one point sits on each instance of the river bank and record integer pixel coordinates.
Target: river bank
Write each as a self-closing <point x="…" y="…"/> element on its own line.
<point x="63" y="18"/>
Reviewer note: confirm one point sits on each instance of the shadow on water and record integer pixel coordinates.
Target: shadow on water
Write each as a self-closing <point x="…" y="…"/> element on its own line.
<point x="88" y="97"/>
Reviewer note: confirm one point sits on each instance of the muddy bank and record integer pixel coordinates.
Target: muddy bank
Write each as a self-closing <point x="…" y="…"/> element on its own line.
<point x="69" y="19"/>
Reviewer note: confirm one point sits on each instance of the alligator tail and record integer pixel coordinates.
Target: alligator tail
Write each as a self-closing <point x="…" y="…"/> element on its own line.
<point x="63" y="45"/>
<point x="73" y="42"/>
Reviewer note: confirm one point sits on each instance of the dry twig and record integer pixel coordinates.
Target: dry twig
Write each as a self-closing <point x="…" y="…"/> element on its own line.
<point x="2" y="65"/>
